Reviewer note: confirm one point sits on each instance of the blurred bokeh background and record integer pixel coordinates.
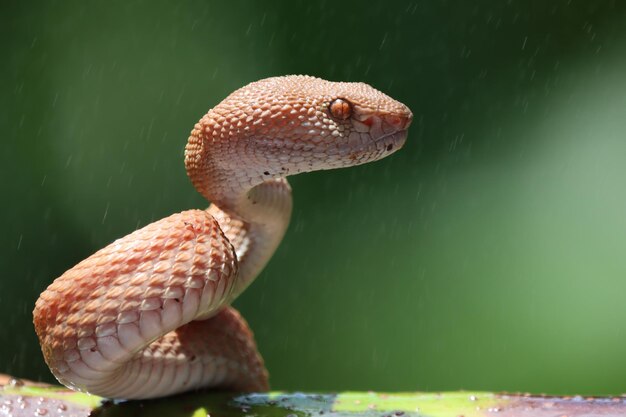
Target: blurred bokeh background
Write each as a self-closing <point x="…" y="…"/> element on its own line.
<point x="490" y="253"/>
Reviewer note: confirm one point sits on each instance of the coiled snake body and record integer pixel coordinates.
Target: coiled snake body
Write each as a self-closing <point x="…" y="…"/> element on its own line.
<point x="149" y="315"/>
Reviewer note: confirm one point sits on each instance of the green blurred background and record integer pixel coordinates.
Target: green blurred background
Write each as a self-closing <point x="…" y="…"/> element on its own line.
<point x="490" y="253"/>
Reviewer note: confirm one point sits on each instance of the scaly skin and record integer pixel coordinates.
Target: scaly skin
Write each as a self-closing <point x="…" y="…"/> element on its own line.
<point x="149" y="315"/>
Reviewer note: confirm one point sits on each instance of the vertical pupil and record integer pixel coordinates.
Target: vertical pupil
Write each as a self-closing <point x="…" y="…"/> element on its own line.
<point x="340" y="109"/>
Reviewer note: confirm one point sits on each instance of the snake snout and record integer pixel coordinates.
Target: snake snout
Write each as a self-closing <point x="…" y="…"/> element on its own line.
<point x="394" y="128"/>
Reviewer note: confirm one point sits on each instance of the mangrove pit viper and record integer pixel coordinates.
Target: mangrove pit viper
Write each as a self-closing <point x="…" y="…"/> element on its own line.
<point x="149" y="315"/>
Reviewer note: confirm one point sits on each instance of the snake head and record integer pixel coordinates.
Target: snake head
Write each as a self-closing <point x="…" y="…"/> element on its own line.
<point x="313" y="124"/>
<point x="291" y="124"/>
<point x="286" y="125"/>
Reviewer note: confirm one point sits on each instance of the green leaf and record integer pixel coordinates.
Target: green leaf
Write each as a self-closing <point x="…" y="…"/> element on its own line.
<point x="50" y="401"/>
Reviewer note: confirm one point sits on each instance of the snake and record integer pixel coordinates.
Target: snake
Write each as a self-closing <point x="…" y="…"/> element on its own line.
<point x="150" y="314"/>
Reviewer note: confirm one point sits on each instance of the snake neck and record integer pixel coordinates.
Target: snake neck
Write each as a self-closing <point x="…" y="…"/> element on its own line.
<point x="252" y="207"/>
<point x="255" y="240"/>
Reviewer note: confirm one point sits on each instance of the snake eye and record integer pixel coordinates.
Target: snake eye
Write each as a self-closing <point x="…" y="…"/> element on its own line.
<point x="340" y="109"/>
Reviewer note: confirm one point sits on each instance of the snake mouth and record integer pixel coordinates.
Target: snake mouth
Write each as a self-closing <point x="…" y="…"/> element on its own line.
<point x="369" y="151"/>
<point x="390" y="143"/>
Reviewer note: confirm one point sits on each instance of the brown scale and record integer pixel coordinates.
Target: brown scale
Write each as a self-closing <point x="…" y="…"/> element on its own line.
<point x="149" y="315"/>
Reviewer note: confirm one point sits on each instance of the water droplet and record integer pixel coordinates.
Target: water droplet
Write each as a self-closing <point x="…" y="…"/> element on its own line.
<point x="473" y="398"/>
<point x="22" y="402"/>
<point x="16" y="383"/>
<point x="41" y="411"/>
<point x="61" y="408"/>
